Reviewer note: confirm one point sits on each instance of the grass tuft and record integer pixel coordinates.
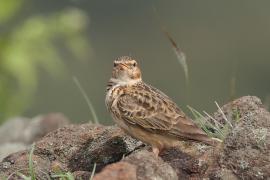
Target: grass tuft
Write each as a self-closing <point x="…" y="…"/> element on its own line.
<point x="206" y="125"/>
<point x="216" y="129"/>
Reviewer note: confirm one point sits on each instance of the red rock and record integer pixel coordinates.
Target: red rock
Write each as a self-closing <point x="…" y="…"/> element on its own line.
<point x="117" y="171"/>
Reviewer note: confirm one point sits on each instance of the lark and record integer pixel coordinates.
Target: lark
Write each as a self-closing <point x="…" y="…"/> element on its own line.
<point x="145" y="112"/>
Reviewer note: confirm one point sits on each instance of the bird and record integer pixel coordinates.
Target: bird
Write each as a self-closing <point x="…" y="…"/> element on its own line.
<point x="146" y="113"/>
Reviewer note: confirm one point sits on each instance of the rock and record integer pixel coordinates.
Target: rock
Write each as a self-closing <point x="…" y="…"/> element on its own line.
<point x="173" y="163"/>
<point x="185" y="165"/>
<point x="18" y="133"/>
<point x="117" y="171"/>
<point x="17" y="125"/>
<point x="246" y="149"/>
<point x="80" y="175"/>
<point x="150" y="167"/>
<point x="80" y="146"/>
<point x="140" y="165"/>
<point x="26" y="131"/>
<point x="75" y="148"/>
<point x="43" y="124"/>
<point x="236" y="109"/>
<point x="19" y="162"/>
<point x="8" y="148"/>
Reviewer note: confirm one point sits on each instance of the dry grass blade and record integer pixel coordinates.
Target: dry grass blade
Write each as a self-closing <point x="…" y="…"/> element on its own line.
<point x="223" y="115"/>
<point x="93" y="172"/>
<point x="24" y="177"/>
<point x="179" y="54"/>
<point x="232" y="87"/>
<point x="16" y="173"/>
<point x="64" y="176"/>
<point x="90" y="105"/>
<point x="216" y="122"/>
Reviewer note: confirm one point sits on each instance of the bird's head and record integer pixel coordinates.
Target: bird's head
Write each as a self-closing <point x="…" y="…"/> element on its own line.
<point x="126" y="71"/>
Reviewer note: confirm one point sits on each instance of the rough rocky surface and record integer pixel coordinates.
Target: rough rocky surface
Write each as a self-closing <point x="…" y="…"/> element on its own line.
<point x="246" y="150"/>
<point x="18" y="162"/>
<point x="150" y="167"/>
<point x="244" y="154"/>
<point x="78" y="147"/>
<point x="184" y="164"/>
<point x="73" y="148"/>
<point x="140" y="165"/>
<point x="238" y="108"/>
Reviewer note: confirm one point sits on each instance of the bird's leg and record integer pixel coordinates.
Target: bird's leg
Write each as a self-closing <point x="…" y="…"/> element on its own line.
<point x="155" y="150"/>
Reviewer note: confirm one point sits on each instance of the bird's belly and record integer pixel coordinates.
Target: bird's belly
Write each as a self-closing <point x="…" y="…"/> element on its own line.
<point x="153" y="139"/>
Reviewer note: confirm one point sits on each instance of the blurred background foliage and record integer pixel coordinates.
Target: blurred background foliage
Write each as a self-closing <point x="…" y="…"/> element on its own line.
<point x="43" y="44"/>
<point x="31" y="44"/>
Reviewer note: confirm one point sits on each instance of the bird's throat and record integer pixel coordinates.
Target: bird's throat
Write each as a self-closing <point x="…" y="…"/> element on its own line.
<point x="125" y="82"/>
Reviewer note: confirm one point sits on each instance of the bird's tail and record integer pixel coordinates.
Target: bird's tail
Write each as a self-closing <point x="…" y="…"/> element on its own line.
<point x="185" y="129"/>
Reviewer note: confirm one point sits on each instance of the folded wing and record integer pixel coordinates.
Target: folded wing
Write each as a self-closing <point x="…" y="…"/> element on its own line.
<point x="151" y="110"/>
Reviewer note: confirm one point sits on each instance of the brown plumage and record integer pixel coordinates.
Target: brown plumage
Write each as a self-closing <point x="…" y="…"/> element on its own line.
<point x="145" y="112"/>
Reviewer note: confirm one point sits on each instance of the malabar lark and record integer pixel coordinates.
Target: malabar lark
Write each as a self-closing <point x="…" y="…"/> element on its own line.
<point x="145" y="112"/>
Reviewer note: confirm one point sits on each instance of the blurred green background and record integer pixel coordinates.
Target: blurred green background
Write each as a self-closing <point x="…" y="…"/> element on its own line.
<point x="43" y="44"/>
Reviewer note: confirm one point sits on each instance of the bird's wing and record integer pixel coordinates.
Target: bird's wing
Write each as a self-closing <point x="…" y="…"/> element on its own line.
<point x="140" y="113"/>
<point x="150" y="109"/>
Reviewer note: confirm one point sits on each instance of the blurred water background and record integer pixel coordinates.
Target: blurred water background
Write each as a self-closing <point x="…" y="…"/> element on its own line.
<point x="43" y="44"/>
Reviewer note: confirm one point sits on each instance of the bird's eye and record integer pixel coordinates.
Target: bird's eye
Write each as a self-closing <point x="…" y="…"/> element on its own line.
<point x="114" y="64"/>
<point x="134" y="64"/>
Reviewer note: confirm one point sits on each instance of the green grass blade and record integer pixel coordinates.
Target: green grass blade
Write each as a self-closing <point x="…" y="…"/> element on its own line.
<point x="31" y="165"/>
<point x="90" y="105"/>
<point x="198" y="118"/>
<point x="70" y="176"/>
